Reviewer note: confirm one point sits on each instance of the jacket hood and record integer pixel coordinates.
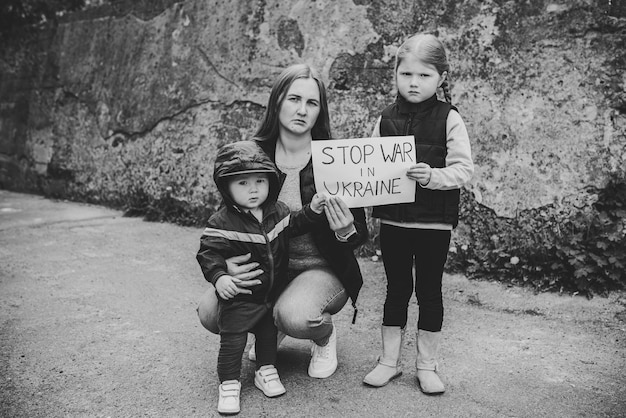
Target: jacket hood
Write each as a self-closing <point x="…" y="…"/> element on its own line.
<point x="244" y="157"/>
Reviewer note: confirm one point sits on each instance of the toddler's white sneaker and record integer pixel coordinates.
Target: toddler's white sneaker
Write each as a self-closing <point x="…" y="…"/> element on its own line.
<point x="228" y="402"/>
<point x="266" y="379"/>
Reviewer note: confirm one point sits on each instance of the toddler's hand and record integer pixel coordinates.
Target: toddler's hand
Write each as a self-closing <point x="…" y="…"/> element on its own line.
<point x="420" y="172"/>
<point x="226" y="287"/>
<point x="318" y="202"/>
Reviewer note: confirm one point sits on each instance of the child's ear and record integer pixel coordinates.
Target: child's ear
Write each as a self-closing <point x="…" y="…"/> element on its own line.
<point x="442" y="78"/>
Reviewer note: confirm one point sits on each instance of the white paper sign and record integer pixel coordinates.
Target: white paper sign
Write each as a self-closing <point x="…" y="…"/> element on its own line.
<point x="365" y="171"/>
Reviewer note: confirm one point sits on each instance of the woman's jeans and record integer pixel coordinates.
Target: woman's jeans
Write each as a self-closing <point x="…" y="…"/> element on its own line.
<point x="303" y="310"/>
<point x="427" y="249"/>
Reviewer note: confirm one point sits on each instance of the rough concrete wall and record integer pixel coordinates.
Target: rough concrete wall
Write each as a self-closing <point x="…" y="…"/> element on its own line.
<point x="129" y="106"/>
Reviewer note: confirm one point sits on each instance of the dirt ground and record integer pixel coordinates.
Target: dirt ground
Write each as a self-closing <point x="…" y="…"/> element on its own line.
<point x="97" y="319"/>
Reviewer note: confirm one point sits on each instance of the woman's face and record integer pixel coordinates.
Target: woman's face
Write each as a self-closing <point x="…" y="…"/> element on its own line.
<point x="300" y="107"/>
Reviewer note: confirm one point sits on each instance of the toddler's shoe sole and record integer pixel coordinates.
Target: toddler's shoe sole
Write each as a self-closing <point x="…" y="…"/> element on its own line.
<point x="268" y="393"/>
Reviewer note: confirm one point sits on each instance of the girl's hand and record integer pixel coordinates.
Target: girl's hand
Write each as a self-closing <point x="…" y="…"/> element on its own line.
<point x="318" y="202"/>
<point x="339" y="216"/>
<point x="243" y="272"/>
<point x="420" y="172"/>
<point x="227" y="287"/>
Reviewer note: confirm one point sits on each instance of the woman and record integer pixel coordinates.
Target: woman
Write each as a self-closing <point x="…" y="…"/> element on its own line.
<point x="323" y="270"/>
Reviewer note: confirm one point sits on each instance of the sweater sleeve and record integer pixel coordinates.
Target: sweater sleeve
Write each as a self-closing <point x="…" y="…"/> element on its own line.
<point x="376" y="130"/>
<point x="459" y="166"/>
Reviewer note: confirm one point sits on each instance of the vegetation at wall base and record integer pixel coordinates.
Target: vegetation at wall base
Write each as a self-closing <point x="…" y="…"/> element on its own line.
<point x="580" y="251"/>
<point x="166" y="208"/>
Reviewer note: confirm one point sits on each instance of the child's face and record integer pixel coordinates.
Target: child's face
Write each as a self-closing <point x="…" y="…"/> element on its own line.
<point x="249" y="191"/>
<point x="417" y="81"/>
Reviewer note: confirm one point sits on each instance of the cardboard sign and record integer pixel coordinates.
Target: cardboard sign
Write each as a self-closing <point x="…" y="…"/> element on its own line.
<point x="365" y="171"/>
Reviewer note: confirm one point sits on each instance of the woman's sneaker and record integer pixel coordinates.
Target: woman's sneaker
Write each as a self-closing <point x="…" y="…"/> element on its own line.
<point x="266" y="379"/>
<point x="228" y="402"/>
<point x="324" y="358"/>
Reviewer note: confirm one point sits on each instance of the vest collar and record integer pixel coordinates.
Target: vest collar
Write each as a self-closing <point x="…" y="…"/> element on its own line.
<point x="406" y="107"/>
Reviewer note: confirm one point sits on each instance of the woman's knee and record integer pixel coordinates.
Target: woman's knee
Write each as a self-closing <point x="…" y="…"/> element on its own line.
<point x="302" y="325"/>
<point x="288" y="318"/>
<point x="207" y="311"/>
<point x="308" y="303"/>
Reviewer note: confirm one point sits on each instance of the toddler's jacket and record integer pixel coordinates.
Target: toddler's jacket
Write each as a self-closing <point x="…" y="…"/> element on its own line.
<point x="231" y="232"/>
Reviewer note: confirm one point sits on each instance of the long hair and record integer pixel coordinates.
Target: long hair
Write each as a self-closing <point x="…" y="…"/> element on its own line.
<point x="268" y="129"/>
<point x="428" y="49"/>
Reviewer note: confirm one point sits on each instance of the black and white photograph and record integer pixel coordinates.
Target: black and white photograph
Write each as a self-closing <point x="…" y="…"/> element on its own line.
<point x="312" y="208"/>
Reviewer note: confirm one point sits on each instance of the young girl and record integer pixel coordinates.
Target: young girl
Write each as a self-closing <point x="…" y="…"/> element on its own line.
<point x="418" y="233"/>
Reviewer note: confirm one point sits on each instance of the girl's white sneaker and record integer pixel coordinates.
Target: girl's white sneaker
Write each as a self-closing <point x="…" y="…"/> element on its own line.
<point x="228" y="402"/>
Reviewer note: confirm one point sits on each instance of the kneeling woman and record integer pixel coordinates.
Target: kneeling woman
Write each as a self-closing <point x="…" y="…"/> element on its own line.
<point x="323" y="270"/>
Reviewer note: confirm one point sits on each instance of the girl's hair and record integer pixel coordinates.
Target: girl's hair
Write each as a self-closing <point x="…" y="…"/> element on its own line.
<point x="428" y="49"/>
<point x="268" y="130"/>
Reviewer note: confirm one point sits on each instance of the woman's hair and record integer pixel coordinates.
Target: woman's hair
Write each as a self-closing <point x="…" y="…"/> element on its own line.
<point x="428" y="49"/>
<point x="268" y="130"/>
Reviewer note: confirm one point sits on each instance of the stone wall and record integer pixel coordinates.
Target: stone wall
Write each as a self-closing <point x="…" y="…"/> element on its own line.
<point x="126" y="106"/>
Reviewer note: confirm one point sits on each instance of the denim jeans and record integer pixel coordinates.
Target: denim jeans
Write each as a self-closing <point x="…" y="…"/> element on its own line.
<point x="302" y="311"/>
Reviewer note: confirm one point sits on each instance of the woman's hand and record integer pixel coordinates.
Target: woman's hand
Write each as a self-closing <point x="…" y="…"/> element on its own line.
<point x="420" y="172"/>
<point x="339" y="216"/>
<point x="243" y="273"/>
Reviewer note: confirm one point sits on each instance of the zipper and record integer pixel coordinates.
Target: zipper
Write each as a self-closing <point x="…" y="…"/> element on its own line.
<point x="407" y="131"/>
<point x="270" y="256"/>
<point x="407" y="125"/>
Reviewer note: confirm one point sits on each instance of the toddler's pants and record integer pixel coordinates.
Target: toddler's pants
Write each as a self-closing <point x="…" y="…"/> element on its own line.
<point x="232" y="346"/>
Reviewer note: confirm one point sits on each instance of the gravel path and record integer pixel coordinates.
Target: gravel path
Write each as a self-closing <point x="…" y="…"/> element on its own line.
<point x="97" y="317"/>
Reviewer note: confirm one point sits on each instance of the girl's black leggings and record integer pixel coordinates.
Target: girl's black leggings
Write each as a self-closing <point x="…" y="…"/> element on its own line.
<point x="427" y="249"/>
<point x="232" y="346"/>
